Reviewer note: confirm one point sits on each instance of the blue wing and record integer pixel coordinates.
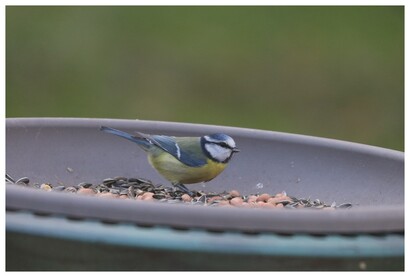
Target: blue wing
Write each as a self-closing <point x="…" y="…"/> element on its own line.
<point x="186" y="150"/>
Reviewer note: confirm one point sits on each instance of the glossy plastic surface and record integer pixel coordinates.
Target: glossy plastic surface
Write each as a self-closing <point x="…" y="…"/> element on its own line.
<point x="71" y="151"/>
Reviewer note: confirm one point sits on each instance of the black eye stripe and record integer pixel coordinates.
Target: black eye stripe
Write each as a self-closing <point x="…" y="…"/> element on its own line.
<point x="220" y="143"/>
<point x="224" y="144"/>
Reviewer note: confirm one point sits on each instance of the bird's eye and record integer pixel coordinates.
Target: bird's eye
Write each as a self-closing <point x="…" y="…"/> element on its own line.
<point x="224" y="144"/>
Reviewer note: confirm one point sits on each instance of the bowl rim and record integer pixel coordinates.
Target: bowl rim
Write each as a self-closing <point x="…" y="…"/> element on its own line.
<point x="198" y="128"/>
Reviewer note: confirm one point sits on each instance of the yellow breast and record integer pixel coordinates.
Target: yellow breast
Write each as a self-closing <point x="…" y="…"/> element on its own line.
<point x="176" y="172"/>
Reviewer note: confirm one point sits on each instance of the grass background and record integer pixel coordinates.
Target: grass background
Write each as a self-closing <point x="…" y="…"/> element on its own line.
<point x="331" y="71"/>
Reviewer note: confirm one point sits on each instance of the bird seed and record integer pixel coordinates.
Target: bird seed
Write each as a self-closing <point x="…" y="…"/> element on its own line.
<point x="140" y="189"/>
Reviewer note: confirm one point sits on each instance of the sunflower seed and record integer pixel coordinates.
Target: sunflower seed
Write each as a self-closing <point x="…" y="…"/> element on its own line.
<point x="159" y="196"/>
<point x="344" y="206"/>
<point x="114" y="191"/>
<point x="202" y="199"/>
<point x="131" y="192"/>
<point x="70" y="189"/>
<point x="9" y="179"/>
<point x="59" y="188"/>
<point x="85" y="185"/>
<point x="109" y="181"/>
<point x="23" y="180"/>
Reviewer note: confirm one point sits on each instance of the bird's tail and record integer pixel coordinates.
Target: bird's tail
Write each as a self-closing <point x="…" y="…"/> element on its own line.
<point x="139" y="140"/>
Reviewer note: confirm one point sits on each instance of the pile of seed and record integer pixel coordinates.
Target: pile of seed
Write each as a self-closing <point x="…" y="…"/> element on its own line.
<point x="142" y="189"/>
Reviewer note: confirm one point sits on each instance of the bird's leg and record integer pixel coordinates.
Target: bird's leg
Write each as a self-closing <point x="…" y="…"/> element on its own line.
<point x="184" y="189"/>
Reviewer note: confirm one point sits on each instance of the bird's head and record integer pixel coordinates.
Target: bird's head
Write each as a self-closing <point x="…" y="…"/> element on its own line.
<point x="219" y="147"/>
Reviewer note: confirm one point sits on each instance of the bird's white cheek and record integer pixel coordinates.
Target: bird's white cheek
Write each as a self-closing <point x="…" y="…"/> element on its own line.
<point x="217" y="152"/>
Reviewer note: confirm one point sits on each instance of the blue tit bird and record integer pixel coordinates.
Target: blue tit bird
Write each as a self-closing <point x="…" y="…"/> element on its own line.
<point x="184" y="160"/>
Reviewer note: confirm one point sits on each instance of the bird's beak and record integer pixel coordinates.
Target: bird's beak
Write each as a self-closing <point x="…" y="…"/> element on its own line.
<point x="236" y="150"/>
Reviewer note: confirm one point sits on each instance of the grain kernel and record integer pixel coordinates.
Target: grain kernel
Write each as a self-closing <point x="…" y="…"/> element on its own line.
<point x="263" y="197"/>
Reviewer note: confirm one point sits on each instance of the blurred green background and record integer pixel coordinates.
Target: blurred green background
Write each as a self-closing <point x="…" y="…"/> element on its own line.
<point x="335" y="72"/>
